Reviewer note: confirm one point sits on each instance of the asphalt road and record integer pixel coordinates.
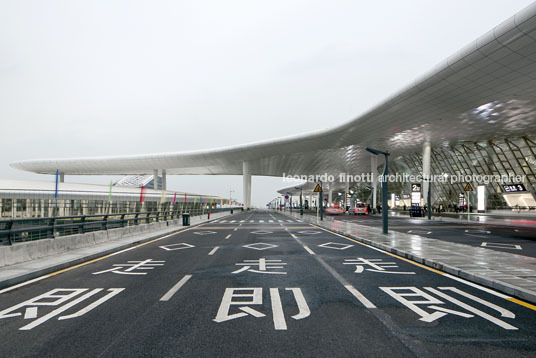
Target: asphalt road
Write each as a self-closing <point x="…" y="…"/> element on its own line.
<point x="520" y="240"/>
<point x="263" y="285"/>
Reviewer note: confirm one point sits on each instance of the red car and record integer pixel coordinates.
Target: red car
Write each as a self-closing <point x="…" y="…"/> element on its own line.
<point x="333" y="211"/>
<point x="360" y="209"/>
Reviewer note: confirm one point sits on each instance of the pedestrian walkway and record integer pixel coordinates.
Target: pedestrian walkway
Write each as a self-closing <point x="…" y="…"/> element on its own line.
<point x="510" y="273"/>
<point x="28" y="270"/>
<point x="513" y="219"/>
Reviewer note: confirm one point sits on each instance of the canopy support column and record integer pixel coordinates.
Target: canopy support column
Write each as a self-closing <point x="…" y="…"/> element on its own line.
<point x="246" y="188"/>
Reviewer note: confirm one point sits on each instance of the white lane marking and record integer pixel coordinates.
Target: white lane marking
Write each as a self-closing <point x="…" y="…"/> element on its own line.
<point x="23" y="284"/>
<point x="242" y="221"/>
<point x="235" y="229"/>
<point x="499" y="245"/>
<point x="270" y="221"/>
<point x="175" y="288"/>
<point x="359" y="296"/>
<point x="309" y="250"/>
<point x="293" y="236"/>
<point x="502" y="311"/>
<point x="30" y="313"/>
<point x="213" y="250"/>
<point x="232" y="221"/>
<point x="120" y="252"/>
<point x="228" y="236"/>
<point x="277" y="308"/>
<point x="335" y="246"/>
<point x="303" y="308"/>
<point x="261" y="221"/>
<point x="83" y="311"/>
<point x="476" y="235"/>
<point x="252" y="221"/>
<point x="215" y="221"/>
<point x="482" y="288"/>
<point x="471" y="309"/>
<point x="57" y="311"/>
<point x="478" y="231"/>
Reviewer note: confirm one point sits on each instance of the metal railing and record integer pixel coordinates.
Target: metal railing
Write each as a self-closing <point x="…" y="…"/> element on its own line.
<point x="28" y="229"/>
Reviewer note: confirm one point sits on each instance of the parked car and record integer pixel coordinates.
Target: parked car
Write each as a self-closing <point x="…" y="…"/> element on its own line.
<point x="360" y="209"/>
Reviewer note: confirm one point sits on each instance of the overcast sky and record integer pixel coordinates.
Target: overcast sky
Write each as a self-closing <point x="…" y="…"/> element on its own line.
<point x="92" y="78"/>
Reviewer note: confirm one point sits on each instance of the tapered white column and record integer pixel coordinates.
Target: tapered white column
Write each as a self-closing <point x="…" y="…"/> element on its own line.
<point x="155" y="176"/>
<point x="246" y="187"/>
<point x="164" y="180"/>
<point x="426" y="151"/>
<point x="330" y="196"/>
<point x="374" y="172"/>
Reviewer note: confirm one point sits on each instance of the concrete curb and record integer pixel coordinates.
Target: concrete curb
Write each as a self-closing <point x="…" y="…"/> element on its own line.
<point x="504" y="287"/>
<point x="72" y="262"/>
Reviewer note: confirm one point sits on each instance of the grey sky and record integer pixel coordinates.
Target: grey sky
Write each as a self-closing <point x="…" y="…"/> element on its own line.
<point x="92" y="78"/>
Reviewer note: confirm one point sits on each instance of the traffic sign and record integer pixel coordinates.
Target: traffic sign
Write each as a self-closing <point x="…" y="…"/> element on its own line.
<point x="318" y="189"/>
<point x="468" y="187"/>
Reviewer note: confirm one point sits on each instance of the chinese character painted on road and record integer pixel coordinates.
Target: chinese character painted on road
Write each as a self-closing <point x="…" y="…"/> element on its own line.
<point x="63" y="297"/>
<point x="376" y="265"/>
<point x="263" y="266"/>
<point x="411" y="297"/>
<point x="127" y="269"/>
<point x="246" y="297"/>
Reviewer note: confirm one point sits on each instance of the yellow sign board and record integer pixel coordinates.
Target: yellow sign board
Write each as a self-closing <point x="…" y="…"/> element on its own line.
<point x="468" y="187"/>
<point x="318" y="189"/>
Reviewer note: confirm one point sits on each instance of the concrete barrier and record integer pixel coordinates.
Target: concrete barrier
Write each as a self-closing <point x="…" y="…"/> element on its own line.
<point x="32" y="250"/>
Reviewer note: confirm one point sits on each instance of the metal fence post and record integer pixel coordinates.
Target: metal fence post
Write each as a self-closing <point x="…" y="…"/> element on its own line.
<point x="81" y="225"/>
<point x="9" y="225"/>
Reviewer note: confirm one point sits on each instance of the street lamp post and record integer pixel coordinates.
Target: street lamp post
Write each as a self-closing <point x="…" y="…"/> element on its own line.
<point x="231" y="199"/>
<point x="321" y="203"/>
<point x="385" y="216"/>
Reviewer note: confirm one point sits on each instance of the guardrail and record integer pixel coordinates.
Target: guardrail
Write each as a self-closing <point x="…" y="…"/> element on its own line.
<point x="28" y="229"/>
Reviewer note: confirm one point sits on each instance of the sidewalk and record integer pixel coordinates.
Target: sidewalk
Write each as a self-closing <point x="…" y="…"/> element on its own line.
<point x="14" y="274"/>
<point x="512" y="220"/>
<point x="512" y="274"/>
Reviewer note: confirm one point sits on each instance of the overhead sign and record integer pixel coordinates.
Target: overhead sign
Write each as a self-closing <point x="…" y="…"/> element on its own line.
<point x="516" y="188"/>
<point x="318" y="189"/>
<point x="468" y="187"/>
<point x="416" y="188"/>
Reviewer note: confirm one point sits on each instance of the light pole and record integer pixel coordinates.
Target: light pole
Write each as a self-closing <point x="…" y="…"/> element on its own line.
<point x="231" y="199"/>
<point x="385" y="218"/>
<point x="321" y="203"/>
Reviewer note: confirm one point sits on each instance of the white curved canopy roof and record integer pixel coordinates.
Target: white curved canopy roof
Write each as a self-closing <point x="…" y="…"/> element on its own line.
<point x="485" y="90"/>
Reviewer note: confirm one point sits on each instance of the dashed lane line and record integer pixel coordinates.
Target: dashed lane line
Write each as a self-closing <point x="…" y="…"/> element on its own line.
<point x="213" y="250"/>
<point x="175" y="288"/>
